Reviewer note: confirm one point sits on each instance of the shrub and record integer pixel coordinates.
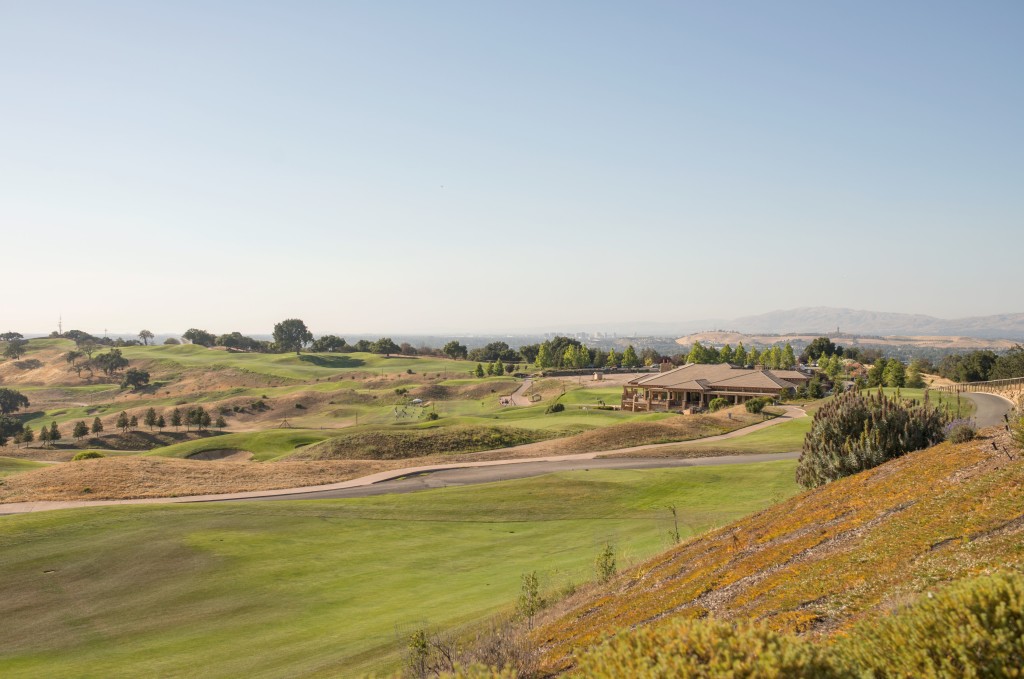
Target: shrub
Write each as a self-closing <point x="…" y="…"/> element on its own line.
<point x="756" y="405"/>
<point x="975" y="628"/>
<point x="961" y="431"/>
<point x="605" y="563"/>
<point x="855" y="432"/>
<point x="1017" y="430"/>
<point x="87" y="455"/>
<point x="718" y="404"/>
<point x="433" y="416"/>
<point x="555" y="408"/>
<point x="704" y="648"/>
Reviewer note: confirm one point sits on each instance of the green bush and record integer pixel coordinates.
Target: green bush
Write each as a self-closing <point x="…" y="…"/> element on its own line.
<point x="855" y="432"/>
<point x="756" y="405"/>
<point x="704" y="648"/>
<point x="555" y="408"/>
<point x="975" y="628"/>
<point x="718" y="404"/>
<point x="87" y="455"/>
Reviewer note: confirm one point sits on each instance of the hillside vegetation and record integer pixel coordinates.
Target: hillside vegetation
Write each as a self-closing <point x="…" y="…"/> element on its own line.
<point x="824" y="559"/>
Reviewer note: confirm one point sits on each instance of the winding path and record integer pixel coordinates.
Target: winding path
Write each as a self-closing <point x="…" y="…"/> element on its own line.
<point x="990" y="408"/>
<point x="438" y="475"/>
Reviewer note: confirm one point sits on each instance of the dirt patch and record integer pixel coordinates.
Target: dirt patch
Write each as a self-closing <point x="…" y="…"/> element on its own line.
<point x="222" y="455"/>
<point x="139" y="477"/>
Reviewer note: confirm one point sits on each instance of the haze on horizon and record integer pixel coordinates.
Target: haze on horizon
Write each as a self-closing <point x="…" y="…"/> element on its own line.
<point x="459" y="167"/>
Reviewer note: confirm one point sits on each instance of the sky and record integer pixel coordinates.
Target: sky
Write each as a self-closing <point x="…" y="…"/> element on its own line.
<point x="490" y="167"/>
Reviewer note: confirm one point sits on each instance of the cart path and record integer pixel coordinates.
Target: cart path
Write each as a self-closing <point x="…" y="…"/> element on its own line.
<point x="496" y="471"/>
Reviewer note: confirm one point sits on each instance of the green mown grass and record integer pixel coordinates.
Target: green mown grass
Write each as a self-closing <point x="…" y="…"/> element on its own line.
<point x="264" y="445"/>
<point x="785" y="437"/>
<point x="306" y="366"/>
<point x="325" y="588"/>
<point x="11" y="465"/>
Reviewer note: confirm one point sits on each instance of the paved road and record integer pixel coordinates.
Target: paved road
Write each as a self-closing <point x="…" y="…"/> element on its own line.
<point x="991" y="409"/>
<point x="464" y="476"/>
<point x="420" y="478"/>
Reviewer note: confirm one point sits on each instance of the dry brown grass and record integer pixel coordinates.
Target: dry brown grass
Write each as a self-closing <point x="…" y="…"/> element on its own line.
<point x="144" y="477"/>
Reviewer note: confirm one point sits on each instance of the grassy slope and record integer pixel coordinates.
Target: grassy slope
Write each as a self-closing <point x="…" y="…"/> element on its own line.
<point x="324" y="588"/>
<point x="10" y="465"/>
<point x="826" y="557"/>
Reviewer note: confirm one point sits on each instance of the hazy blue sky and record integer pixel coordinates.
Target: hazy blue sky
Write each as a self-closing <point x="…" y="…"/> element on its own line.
<point x="442" y="166"/>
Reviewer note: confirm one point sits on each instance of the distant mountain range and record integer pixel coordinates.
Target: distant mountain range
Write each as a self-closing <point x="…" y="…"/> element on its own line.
<point x="827" y="319"/>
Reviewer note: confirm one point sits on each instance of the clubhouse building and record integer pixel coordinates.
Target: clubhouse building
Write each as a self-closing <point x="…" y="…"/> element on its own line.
<point x="696" y="384"/>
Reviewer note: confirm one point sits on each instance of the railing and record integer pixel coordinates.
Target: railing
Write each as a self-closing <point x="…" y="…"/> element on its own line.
<point x="989" y="386"/>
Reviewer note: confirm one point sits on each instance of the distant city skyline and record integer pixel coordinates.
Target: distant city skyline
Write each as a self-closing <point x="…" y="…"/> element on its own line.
<point x="486" y="168"/>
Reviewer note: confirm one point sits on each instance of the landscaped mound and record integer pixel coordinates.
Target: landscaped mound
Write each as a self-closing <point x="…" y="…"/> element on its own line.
<point x="400" y="445"/>
<point x="138" y="477"/>
<point x="824" y="559"/>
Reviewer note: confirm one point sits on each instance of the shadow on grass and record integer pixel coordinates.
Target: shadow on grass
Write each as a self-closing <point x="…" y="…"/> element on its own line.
<point x="322" y="361"/>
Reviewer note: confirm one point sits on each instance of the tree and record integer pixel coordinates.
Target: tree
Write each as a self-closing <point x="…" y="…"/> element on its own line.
<point x="529" y="352"/>
<point x="327" y="344"/>
<point x="479" y="370"/>
<point x="569" y="356"/>
<point x="133" y="423"/>
<point x="123" y="422"/>
<point x="1010" y="364"/>
<point x="145" y="336"/>
<point x="739" y="357"/>
<point x="150" y="418"/>
<point x="455" y="351"/>
<point x="291" y="335"/>
<point x="876" y="373"/>
<point x="220" y="423"/>
<point x="544" y="357"/>
<point x="612" y="360"/>
<point x="15" y="348"/>
<point x="176" y="419"/>
<point x="385" y="346"/>
<point x="629" y="358"/>
<point x="80" y="431"/>
<point x="44" y="436"/>
<point x="135" y="378"/>
<point x="172" y="340"/>
<point x="499" y="368"/>
<point x="27" y="435"/>
<point x="754" y="357"/>
<point x="54" y="432"/>
<point x="200" y="337"/>
<point x="9" y="427"/>
<point x="111" y="362"/>
<point x="10" y="336"/>
<point x="161" y="423"/>
<point x="238" y="341"/>
<point x="727" y="354"/>
<point x="788" y="357"/>
<point x="821" y="346"/>
<point x="914" y="378"/>
<point x="97" y="425"/>
<point x="490" y="369"/>
<point x="11" y="401"/>
<point x="895" y="373"/>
